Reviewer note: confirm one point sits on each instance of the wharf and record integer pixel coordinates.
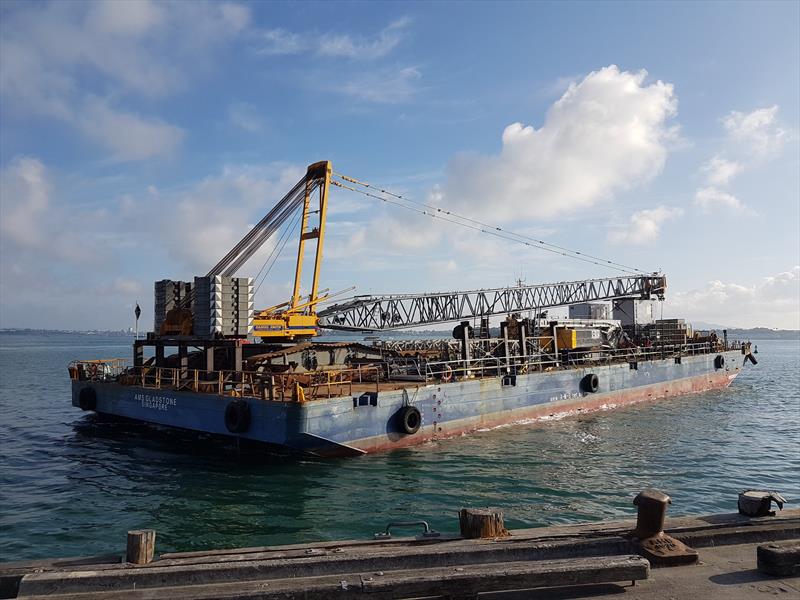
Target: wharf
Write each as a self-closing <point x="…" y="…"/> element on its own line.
<point x="572" y="561"/>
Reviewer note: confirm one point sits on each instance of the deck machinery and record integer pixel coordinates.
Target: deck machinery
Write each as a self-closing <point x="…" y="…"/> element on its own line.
<point x="533" y="364"/>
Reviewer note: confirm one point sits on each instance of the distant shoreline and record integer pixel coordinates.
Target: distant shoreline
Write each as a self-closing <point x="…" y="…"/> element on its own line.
<point x="761" y="333"/>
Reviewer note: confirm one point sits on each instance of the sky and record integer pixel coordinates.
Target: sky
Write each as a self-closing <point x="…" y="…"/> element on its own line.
<point x="141" y="140"/>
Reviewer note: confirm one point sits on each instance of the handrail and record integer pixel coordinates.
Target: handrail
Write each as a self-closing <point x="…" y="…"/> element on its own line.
<point x="299" y="387"/>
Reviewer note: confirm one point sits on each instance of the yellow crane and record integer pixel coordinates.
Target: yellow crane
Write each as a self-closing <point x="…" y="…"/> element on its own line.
<point x="297" y="318"/>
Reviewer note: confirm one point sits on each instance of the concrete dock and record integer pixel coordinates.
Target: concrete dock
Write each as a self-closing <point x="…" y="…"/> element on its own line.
<point x="574" y="561"/>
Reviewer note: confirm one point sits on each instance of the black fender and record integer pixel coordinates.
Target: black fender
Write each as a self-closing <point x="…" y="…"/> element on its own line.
<point x="719" y="361"/>
<point x="237" y="416"/>
<point x="87" y="399"/>
<point x="409" y="419"/>
<point x="590" y="383"/>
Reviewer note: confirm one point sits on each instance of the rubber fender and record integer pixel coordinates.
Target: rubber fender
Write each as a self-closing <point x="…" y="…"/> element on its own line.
<point x="410" y="419"/>
<point x="590" y="383"/>
<point x="719" y="361"/>
<point x="237" y="416"/>
<point x="87" y="399"/>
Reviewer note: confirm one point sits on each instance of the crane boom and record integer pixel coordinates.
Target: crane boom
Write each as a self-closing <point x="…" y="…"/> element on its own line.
<point x="382" y="313"/>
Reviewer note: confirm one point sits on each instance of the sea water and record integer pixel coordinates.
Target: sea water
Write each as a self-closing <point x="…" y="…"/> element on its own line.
<point x="73" y="483"/>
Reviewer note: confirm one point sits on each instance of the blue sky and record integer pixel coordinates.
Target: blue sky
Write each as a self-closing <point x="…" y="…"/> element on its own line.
<point x="140" y="140"/>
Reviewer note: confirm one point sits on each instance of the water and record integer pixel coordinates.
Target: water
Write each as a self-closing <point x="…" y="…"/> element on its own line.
<point x="74" y="484"/>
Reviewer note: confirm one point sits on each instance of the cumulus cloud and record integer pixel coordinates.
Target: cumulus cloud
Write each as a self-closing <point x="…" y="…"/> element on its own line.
<point x="753" y="137"/>
<point x="774" y="301"/>
<point x="31" y="223"/>
<point x="55" y="252"/>
<point x="710" y="198"/>
<point x="25" y="199"/>
<point x="645" y="225"/>
<point x="76" y="61"/>
<point x="200" y="224"/>
<point x="606" y="134"/>
<point x="758" y="130"/>
<point x="720" y="171"/>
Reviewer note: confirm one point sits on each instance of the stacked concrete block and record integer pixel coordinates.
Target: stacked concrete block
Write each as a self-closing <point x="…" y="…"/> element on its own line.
<point x="671" y="331"/>
<point x="223" y="305"/>
<point x="168" y="295"/>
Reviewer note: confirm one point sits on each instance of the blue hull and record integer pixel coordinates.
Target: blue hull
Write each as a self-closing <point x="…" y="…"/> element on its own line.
<point x="353" y="425"/>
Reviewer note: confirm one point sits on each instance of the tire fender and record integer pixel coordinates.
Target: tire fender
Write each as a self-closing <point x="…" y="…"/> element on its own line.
<point x="87" y="399"/>
<point x="237" y="416"/>
<point x="590" y="383"/>
<point x="409" y="419"/>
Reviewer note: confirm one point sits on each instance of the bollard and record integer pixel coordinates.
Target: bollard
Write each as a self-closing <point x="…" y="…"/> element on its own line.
<point x="478" y="523"/>
<point x="649" y="537"/>
<point x="652" y="506"/>
<point x="141" y="546"/>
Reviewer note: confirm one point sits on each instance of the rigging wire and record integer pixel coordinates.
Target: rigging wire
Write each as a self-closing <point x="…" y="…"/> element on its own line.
<point x="481" y="229"/>
<point x="273" y="256"/>
<point x="481" y="225"/>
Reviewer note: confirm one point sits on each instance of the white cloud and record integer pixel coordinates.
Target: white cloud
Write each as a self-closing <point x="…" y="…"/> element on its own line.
<point x="710" y="198"/>
<point x="364" y="48"/>
<point x="772" y="302"/>
<point x="720" y="171"/>
<point x="200" y="224"/>
<point x="645" y="225"/>
<point x="752" y="137"/>
<point x="127" y="18"/>
<point x="246" y="117"/>
<point x="58" y="58"/>
<point x="236" y="17"/>
<point x="384" y="87"/>
<point x="24" y="201"/>
<point x="758" y="130"/>
<point x="605" y="134"/>
<point x="126" y="135"/>
<point x="56" y="254"/>
<point x="32" y="224"/>
<point x="276" y="42"/>
<point x="122" y="286"/>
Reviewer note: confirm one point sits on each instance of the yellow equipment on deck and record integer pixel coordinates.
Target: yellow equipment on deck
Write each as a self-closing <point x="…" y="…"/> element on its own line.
<point x="298" y="317"/>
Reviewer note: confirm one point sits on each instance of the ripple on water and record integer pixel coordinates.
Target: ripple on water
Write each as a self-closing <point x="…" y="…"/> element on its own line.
<point x="74" y="483"/>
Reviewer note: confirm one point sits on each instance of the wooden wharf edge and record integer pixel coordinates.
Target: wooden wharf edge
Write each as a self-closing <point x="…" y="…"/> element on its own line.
<point x="396" y="558"/>
<point x="465" y="581"/>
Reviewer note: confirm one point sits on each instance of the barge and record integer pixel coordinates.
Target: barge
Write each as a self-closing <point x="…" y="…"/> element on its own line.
<point x="216" y="365"/>
<point x="363" y="409"/>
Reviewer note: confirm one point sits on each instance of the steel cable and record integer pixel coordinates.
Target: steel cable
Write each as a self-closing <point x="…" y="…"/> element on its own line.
<point x="480" y="225"/>
<point x="503" y="235"/>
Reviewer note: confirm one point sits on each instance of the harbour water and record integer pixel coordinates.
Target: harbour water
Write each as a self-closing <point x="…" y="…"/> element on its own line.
<point x="73" y="483"/>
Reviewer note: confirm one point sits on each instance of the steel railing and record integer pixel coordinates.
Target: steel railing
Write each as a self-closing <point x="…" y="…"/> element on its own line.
<point x="330" y="383"/>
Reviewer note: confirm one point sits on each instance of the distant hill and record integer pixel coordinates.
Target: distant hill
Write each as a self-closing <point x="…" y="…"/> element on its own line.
<point x="764" y="333"/>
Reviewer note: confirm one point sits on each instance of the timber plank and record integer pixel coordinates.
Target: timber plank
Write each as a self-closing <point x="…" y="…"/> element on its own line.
<point x="468" y="579"/>
<point x="159" y="574"/>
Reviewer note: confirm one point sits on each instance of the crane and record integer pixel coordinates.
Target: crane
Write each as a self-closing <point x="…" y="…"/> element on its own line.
<point x="400" y="311"/>
<point x="298" y="316"/>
